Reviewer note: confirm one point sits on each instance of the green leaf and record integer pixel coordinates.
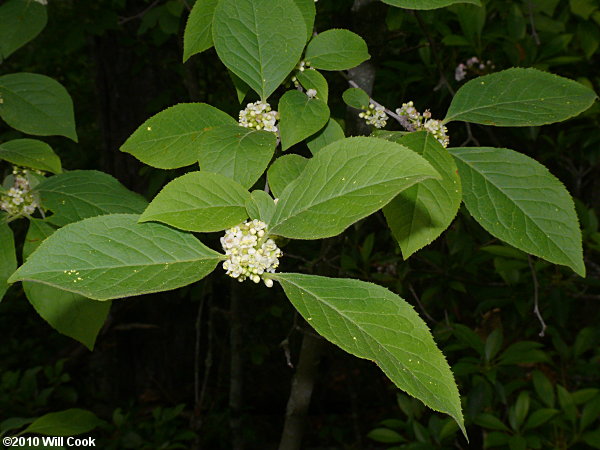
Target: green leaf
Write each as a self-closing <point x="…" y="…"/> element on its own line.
<point x="330" y="133"/>
<point x="80" y="194"/>
<point x="114" y="256"/>
<point x="371" y="322"/>
<point x="517" y="442"/>
<point x="312" y="79"/>
<point x="36" y="104"/>
<point x="543" y="388"/>
<point x="519" y="97"/>
<point x="70" y="422"/>
<point x="241" y="88"/>
<point x="308" y="10"/>
<point x="20" y="22"/>
<point x="30" y="153"/>
<point x="336" y="49"/>
<point x="521" y="408"/>
<point x="170" y="139"/>
<point x="490" y="422"/>
<point x="284" y="170"/>
<point x="356" y="98"/>
<point x="300" y="117"/>
<point x="261" y="41"/>
<point x="523" y="352"/>
<point x="70" y="314"/>
<point x="260" y="206"/>
<point x="345" y="182"/>
<point x="239" y="153"/>
<point x="199" y="201"/>
<point x="427" y="4"/>
<point x="517" y="200"/>
<point x="386" y="436"/>
<point x="421" y="213"/>
<point x="197" y="36"/>
<point x="8" y="255"/>
<point x="539" y="417"/>
<point x="592" y="438"/>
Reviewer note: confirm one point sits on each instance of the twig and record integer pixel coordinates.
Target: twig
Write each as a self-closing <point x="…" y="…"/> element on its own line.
<point x="124" y="20"/>
<point x="401" y="120"/>
<point x="470" y="137"/>
<point x="536" y="306"/>
<point x="534" y="34"/>
<point x="416" y="297"/>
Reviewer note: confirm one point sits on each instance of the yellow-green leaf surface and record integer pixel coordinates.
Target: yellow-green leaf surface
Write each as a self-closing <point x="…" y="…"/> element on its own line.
<point x="80" y="194"/>
<point x="20" y="22"/>
<point x="114" y="256"/>
<point x="519" y="201"/>
<point x="518" y="98"/>
<point x="199" y="201"/>
<point x="197" y="36"/>
<point x="427" y="4"/>
<point x="308" y="10"/>
<point x="70" y="422"/>
<point x="330" y="133"/>
<point x="36" y="104"/>
<point x="260" y="206"/>
<point x="239" y="153"/>
<point x="373" y="323"/>
<point x="261" y="41"/>
<point x="68" y="313"/>
<point x="336" y="49"/>
<point x="284" y="170"/>
<point x="312" y="79"/>
<point x="30" y="153"/>
<point x="8" y="255"/>
<point x="422" y="212"/>
<point x="345" y="182"/>
<point x="300" y="117"/>
<point x="170" y="139"/>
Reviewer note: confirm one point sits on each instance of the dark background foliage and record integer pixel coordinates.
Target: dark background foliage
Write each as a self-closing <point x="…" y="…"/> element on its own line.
<point x="162" y="369"/>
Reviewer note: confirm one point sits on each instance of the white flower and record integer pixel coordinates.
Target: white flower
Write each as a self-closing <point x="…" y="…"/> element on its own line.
<point x="258" y="115"/>
<point x="311" y="93"/>
<point x="248" y="254"/>
<point x="375" y="116"/>
<point x="18" y="200"/>
<point x="413" y="120"/>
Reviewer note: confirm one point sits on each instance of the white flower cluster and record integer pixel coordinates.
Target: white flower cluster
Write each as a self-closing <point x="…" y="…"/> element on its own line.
<point x="413" y="120"/>
<point x="42" y="2"/>
<point x="249" y="255"/>
<point x="474" y="65"/>
<point x="259" y="115"/>
<point x="18" y="200"/>
<point x="375" y="116"/>
<point x="311" y="93"/>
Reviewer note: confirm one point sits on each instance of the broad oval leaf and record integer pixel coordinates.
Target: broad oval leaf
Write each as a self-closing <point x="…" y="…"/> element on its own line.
<point x="199" y="201"/>
<point x="170" y="139"/>
<point x="330" y="133"/>
<point x="519" y="201"/>
<point x="36" y="104"/>
<point x="284" y="170"/>
<point x="261" y="41"/>
<point x="343" y="183"/>
<point x="300" y="117"/>
<point x="197" y="36"/>
<point x="8" y="254"/>
<point x="70" y="422"/>
<point x="68" y="313"/>
<point x="114" y="256"/>
<point x="308" y="10"/>
<point x="312" y="79"/>
<point x="20" y="22"/>
<point x="422" y="212"/>
<point x="260" y="206"/>
<point x="427" y="4"/>
<point x="356" y="98"/>
<point x="239" y="153"/>
<point x="519" y="97"/>
<point x="80" y="194"/>
<point x="30" y="153"/>
<point x="373" y="323"/>
<point x="336" y="49"/>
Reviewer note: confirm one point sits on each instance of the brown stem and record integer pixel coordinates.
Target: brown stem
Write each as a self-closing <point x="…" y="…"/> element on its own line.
<point x="301" y="392"/>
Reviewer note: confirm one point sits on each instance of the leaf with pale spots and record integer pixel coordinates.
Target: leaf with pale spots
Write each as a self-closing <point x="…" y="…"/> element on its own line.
<point x="519" y="201"/>
<point x="343" y="183"/>
<point x="373" y="323"/>
<point x="519" y="98"/>
<point x="114" y="256"/>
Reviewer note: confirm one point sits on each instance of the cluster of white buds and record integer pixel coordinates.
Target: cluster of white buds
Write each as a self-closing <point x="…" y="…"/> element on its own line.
<point x="18" y="200"/>
<point x="249" y="254"/>
<point x="413" y="120"/>
<point x="260" y="116"/>
<point x="375" y="116"/>
<point x="311" y="93"/>
<point x="473" y="65"/>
